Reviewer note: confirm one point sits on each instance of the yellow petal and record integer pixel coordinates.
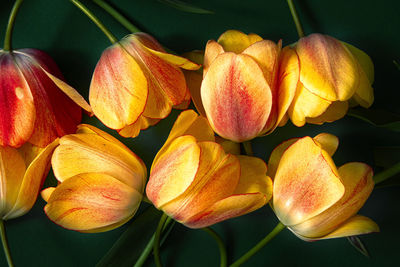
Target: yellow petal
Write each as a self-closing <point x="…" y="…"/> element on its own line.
<point x="306" y="104"/>
<point x="335" y="111"/>
<point x="131" y="130"/>
<point x="46" y="193"/>
<point x="364" y="60"/>
<point x="216" y="179"/>
<point x="85" y="153"/>
<point x="33" y="179"/>
<point x="236" y="97"/>
<point x="91" y="202"/>
<point x="193" y="80"/>
<point x="173" y="171"/>
<point x="358" y="183"/>
<point x="178" y="61"/>
<point x="306" y="183"/>
<point x="236" y="41"/>
<point x="328" y="69"/>
<point x="328" y="142"/>
<point x="119" y="88"/>
<point x="228" y="146"/>
<point x="213" y="49"/>
<point x="276" y="156"/>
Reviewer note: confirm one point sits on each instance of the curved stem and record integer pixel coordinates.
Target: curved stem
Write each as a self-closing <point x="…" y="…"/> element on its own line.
<point x="248" y="149"/>
<point x="382" y="176"/>
<point x="278" y="228"/>
<point x="117" y="16"/>
<point x="221" y="246"/>
<point x="296" y="20"/>
<point x="10" y="26"/>
<point x="5" y="244"/>
<point x="157" y="237"/>
<point x="96" y="21"/>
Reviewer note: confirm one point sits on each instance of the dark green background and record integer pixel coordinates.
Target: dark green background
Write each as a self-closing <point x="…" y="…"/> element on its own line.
<point x="57" y="27"/>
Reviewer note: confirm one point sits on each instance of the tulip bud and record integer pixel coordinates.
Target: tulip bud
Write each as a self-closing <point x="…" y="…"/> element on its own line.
<point x="241" y="84"/>
<point x="197" y="183"/>
<point x="23" y="171"/>
<point x="36" y="105"/>
<point x="101" y="182"/>
<point x="330" y="74"/>
<point x="312" y="197"/>
<point x="136" y="83"/>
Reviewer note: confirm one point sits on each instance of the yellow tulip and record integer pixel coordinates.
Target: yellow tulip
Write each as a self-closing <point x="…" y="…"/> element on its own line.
<point x="136" y="83"/>
<point x="241" y="84"/>
<point x="196" y="182"/>
<point x="23" y="171"/>
<point x="101" y="182"/>
<point x="331" y="74"/>
<point x="312" y="197"/>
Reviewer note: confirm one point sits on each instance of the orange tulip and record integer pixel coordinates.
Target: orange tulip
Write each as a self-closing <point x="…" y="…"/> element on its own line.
<point x="331" y="75"/>
<point x="36" y="105"/>
<point x="241" y="84"/>
<point x="101" y="182"/>
<point x="312" y="197"/>
<point x="136" y="83"/>
<point x="196" y="182"/>
<point x="23" y="171"/>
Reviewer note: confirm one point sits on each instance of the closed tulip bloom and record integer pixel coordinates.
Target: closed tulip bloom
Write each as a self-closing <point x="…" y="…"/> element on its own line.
<point x="36" y="106"/>
<point x="241" y="84"/>
<point x="136" y="83"/>
<point x="23" y="171"/>
<point x="197" y="183"/>
<point x="331" y="75"/>
<point x="101" y="182"/>
<point x="312" y="197"/>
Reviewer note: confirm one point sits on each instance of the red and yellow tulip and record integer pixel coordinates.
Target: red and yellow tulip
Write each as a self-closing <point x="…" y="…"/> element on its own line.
<point x="23" y="171"/>
<point x="136" y="83"/>
<point x="331" y="75"/>
<point x="197" y="183"/>
<point x="36" y="105"/>
<point x="240" y="90"/>
<point x="312" y="197"/>
<point x="101" y="182"/>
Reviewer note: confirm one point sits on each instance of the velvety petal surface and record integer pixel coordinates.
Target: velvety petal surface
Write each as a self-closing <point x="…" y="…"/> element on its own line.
<point x="335" y="111"/>
<point x="237" y="41"/>
<point x="213" y="49"/>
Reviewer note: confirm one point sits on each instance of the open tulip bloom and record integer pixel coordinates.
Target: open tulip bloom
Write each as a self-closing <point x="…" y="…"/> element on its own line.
<point x="312" y="197"/>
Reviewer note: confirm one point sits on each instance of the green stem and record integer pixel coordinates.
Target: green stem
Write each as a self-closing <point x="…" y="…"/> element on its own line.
<point x="382" y="176"/>
<point x="248" y="149"/>
<point x="278" y="228"/>
<point x="118" y="16"/>
<point x="96" y="21"/>
<point x="221" y="246"/>
<point x="10" y="26"/>
<point x="156" y="245"/>
<point x="296" y="20"/>
<point x="5" y="244"/>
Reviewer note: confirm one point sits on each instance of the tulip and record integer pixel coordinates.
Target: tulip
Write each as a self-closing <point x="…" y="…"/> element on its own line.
<point x="241" y="84"/>
<point x="331" y="75"/>
<point x="36" y="105"/>
<point x="136" y="83"/>
<point x="196" y="182"/>
<point x="101" y="182"/>
<point x="312" y="197"/>
<point x="23" y="171"/>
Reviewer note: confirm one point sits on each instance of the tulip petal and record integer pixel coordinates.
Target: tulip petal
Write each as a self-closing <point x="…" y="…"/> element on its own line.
<point x="33" y="179"/>
<point x="364" y="94"/>
<point x="276" y="156"/>
<point x="358" y="183"/>
<point x="16" y="106"/>
<point x="328" y="142"/>
<point x="92" y="201"/>
<point x="364" y="60"/>
<point x="306" y="104"/>
<point x="236" y="41"/>
<point x="228" y="146"/>
<point x="85" y="153"/>
<point x="236" y="97"/>
<point x="12" y="170"/>
<point x="328" y="69"/>
<point x="213" y="49"/>
<point x="178" y="61"/>
<point x="193" y="80"/>
<point x="118" y="91"/>
<point x="46" y="193"/>
<point x="173" y="171"/>
<point x="131" y="130"/>
<point x="335" y="111"/>
<point x="216" y="178"/>
<point x="306" y="183"/>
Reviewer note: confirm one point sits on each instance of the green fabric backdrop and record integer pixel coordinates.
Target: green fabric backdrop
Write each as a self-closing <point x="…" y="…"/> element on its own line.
<point x="60" y="29"/>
